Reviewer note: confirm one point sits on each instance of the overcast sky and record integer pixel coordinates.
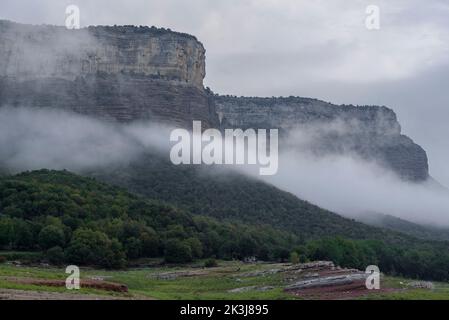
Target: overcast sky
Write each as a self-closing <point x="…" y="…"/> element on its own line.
<point x="312" y="48"/>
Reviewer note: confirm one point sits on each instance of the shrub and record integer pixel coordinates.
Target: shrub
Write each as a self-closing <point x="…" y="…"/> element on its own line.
<point x="294" y="257"/>
<point x="210" y="263"/>
<point x="55" y="255"/>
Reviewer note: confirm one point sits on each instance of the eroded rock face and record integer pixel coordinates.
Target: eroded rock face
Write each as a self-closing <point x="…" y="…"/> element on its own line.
<point x="371" y="132"/>
<point x="30" y="52"/>
<point x="120" y="73"/>
<point x="138" y="73"/>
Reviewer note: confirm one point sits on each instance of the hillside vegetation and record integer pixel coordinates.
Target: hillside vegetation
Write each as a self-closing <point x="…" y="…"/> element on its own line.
<point x="79" y="220"/>
<point x="74" y="219"/>
<point x="232" y="197"/>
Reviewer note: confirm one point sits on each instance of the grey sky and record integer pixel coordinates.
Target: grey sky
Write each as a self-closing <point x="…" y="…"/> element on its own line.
<point x="308" y="48"/>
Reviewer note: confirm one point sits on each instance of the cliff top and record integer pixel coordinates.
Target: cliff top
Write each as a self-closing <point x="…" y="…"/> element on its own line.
<point x="295" y="100"/>
<point x="125" y="29"/>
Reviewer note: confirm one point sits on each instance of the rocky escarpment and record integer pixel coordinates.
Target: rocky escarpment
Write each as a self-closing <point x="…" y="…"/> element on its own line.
<point x="139" y="73"/>
<point x="368" y="131"/>
<point x="122" y="73"/>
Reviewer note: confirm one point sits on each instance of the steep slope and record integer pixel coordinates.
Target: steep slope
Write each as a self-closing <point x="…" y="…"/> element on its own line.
<point x="231" y="197"/>
<point x="77" y="219"/>
<point x="324" y="235"/>
<point x="405" y="227"/>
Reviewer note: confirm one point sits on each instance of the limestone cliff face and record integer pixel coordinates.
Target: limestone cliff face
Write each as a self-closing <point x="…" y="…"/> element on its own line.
<point x="122" y="73"/>
<point x="28" y="52"/>
<point x="139" y="73"/>
<point x="368" y="131"/>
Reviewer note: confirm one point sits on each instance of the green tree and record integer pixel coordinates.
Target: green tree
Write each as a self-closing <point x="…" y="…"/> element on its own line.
<point x="294" y="257"/>
<point x="150" y="244"/>
<point x="6" y="232"/>
<point x="195" y="246"/>
<point x="133" y="247"/>
<point x="55" y="255"/>
<point x="177" y="251"/>
<point x="22" y="235"/>
<point x="51" y="236"/>
<point x="90" y="247"/>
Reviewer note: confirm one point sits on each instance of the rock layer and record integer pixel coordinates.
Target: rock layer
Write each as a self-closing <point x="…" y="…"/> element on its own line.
<point x="139" y="73"/>
<point x="371" y="132"/>
<point x="122" y="73"/>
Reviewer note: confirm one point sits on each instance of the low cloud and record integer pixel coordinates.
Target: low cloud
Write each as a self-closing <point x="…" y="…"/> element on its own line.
<point x="346" y="184"/>
<point x="42" y="138"/>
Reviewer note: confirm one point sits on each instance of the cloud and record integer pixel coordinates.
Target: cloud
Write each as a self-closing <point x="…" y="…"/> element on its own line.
<point x="344" y="183"/>
<point x="43" y="138"/>
<point x="355" y="188"/>
<point x="302" y="40"/>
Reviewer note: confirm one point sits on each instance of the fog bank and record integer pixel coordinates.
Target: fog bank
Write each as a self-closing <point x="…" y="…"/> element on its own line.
<point x="37" y="138"/>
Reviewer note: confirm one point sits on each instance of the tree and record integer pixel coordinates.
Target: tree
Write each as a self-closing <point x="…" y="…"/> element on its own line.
<point x="90" y="247"/>
<point x="195" y="246"/>
<point x="150" y="244"/>
<point x="51" y="236"/>
<point x="294" y="257"/>
<point x="133" y="247"/>
<point x="22" y="235"/>
<point x="55" y="255"/>
<point x="177" y="251"/>
<point x="6" y="232"/>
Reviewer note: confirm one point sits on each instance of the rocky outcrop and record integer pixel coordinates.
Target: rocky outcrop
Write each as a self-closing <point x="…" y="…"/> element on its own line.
<point x="371" y="132"/>
<point x="123" y="73"/>
<point x="323" y="280"/>
<point x="30" y="52"/>
<point x="139" y="73"/>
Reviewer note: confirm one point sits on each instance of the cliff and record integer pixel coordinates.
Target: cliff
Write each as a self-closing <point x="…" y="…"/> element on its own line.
<point x="139" y="73"/>
<point x="371" y="132"/>
<point x="123" y="73"/>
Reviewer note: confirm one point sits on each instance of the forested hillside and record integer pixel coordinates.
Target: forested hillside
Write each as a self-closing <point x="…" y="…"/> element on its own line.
<point x="74" y="219"/>
<point x="230" y="196"/>
<point x="79" y="220"/>
<point x="323" y="234"/>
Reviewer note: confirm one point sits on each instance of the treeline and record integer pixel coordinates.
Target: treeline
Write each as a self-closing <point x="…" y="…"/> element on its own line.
<point x="239" y="198"/>
<point x="78" y="220"/>
<point x="425" y="261"/>
<point x="73" y="219"/>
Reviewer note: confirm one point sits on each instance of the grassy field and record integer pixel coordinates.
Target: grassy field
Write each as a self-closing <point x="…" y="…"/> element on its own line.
<point x="191" y="282"/>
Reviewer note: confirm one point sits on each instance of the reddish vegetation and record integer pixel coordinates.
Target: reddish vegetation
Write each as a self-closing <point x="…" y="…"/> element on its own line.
<point x="92" y="284"/>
